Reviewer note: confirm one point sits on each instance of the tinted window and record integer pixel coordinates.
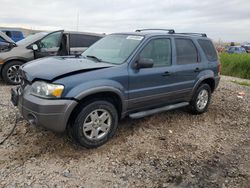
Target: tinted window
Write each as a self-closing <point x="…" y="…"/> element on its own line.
<point x="159" y="50"/>
<point x="80" y="40"/>
<point x="186" y="52"/>
<point x="208" y="48"/>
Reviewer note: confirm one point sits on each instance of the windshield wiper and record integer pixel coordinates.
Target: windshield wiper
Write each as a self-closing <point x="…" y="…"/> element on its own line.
<point x="94" y="57"/>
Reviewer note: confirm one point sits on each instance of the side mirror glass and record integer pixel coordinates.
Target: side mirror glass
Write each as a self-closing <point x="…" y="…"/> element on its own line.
<point x="144" y="63"/>
<point x="34" y="47"/>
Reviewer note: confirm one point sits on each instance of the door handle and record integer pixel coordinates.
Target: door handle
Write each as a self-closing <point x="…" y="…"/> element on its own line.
<point x="166" y="73"/>
<point x="197" y="70"/>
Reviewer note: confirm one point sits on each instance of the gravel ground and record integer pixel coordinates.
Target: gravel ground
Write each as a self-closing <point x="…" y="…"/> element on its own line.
<point x="171" y="149"/>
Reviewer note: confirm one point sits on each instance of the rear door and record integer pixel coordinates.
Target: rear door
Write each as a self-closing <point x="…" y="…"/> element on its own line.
<point x="49" y="45"/>
<point x="187" y="65"/>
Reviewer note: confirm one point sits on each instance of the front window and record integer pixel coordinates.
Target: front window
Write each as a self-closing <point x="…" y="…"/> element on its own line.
<point x="159" y="51"/>
<point x="52" y="41"/>
<point x="114" y="49"/>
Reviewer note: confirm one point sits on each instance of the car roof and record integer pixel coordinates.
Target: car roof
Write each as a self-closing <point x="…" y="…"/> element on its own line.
<point x="10" y="30"/>
<point x="84" y="33"/>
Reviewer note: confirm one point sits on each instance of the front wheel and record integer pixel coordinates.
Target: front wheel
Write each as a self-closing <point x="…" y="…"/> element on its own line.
<point x="95" y="124"/>
<point x="201" y="99"/>
<point x="10" y="72"/>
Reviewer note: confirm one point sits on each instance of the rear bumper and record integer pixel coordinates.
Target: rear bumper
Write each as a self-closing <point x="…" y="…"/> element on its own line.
<point x="50" y="114"/>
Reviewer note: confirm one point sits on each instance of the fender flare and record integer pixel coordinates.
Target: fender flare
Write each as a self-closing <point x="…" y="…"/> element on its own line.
<point x="201" y="79"/>
<point x="101" y="89"/>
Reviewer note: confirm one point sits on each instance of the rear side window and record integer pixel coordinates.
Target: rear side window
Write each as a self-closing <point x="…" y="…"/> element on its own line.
<point x="79" y="40"/>
<point x="186" y="52"/>
<point x="208" y="48"/>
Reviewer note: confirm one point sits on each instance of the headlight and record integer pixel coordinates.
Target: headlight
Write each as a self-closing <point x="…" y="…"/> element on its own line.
<point x="47" y="90"/>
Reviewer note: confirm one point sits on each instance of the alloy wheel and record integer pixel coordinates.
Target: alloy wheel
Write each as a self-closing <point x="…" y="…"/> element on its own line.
<point x="97" y="124"/>
<point x="13" y="74"/>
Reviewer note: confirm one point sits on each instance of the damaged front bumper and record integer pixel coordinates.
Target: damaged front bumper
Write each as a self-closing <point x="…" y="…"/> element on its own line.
<point x="50" y="114"/>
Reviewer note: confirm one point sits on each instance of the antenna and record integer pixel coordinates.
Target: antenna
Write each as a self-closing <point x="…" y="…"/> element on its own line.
<point x="77" y="20"/>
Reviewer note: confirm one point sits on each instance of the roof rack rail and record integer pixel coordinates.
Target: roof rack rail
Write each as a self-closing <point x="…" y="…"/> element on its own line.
<point x="170" y="31"/>
<point x="198" y="34"/>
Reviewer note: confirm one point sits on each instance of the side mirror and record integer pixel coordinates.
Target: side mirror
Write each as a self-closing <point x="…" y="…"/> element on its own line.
<point x="144" y="63"/>
<point x="34" y="47"/>
<point x="13" y="44"/>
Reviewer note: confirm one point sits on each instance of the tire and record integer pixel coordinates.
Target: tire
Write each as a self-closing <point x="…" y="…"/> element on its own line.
<point x="201" y="99"/>
<point x="89" y="130"/>
<point x="10" y="72"/>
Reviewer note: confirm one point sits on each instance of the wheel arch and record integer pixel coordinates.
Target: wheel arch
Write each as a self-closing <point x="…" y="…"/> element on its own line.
<point x="107" y="95"/>
<point x="208" y="80"/>
<point x="11" y="60"/>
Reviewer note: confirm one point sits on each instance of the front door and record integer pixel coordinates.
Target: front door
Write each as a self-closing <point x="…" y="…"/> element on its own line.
<point x="150" y="87"/>
<point x="49" y="45"/>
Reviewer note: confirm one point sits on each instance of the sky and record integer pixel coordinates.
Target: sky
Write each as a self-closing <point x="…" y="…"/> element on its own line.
<point x="226" y="20"/>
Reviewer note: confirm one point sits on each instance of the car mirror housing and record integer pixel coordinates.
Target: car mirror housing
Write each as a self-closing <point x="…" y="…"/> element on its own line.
<point x="34" y="47"/>
<point x="144" y="63"/>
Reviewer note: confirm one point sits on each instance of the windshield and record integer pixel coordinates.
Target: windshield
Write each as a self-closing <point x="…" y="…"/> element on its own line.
<point x="113" y="49"/>
<point x="31" y="39"/>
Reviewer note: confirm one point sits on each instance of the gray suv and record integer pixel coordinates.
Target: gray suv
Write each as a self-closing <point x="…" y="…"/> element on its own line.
<point x="56" y="43"/>
<point x="124" y="74"/>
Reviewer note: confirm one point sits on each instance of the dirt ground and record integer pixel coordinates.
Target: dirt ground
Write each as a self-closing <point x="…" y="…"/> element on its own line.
<point x="171" y="149"/>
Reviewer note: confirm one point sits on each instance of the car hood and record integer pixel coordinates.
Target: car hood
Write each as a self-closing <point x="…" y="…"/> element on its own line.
<point x="6" y="38"/>
<point x="53" y="68"/>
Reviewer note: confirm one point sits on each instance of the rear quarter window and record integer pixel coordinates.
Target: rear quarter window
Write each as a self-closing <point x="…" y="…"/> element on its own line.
<point x="80" y="40"/>
<point x="209" y="50"/>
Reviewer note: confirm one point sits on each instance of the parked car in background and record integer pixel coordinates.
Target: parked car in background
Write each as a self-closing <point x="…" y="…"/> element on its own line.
<point x="57" y="43"/>
<point x="236" y="50"/>
<point x="5" y="42"/>
<point x="132" y="74"/>
<point x="247" y="48"/>
<point x="15" y="35"/>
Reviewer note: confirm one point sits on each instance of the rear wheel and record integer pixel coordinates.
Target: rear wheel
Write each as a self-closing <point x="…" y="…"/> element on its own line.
<point x="10" y="72"/>
<point x="95" y="124"/>
<point x="201" y="99"/>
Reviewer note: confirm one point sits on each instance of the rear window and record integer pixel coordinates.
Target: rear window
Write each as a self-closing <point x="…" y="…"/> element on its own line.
<point x="79" y="40"/>
<point x="186" y="52"/>
<point x="208" y="48"/>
